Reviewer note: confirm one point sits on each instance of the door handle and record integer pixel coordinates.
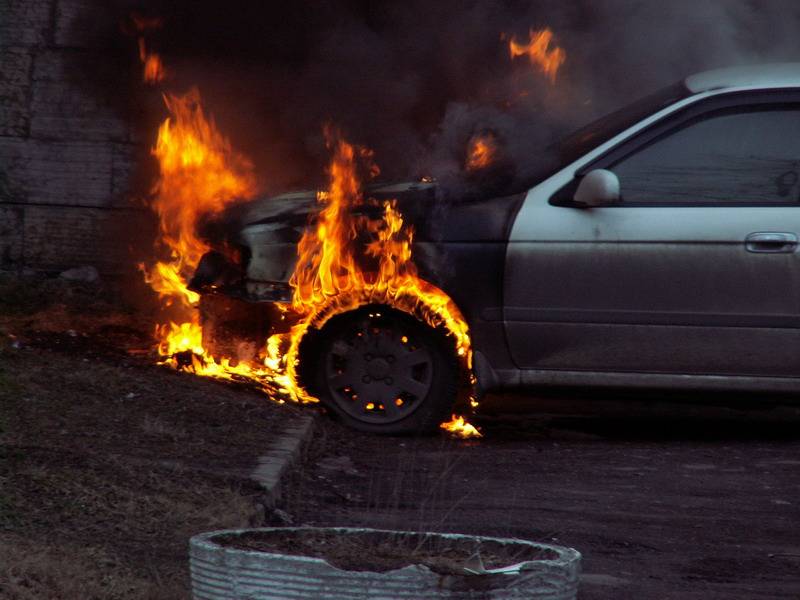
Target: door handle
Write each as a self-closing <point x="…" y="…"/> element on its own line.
<point x="771" y="242"/>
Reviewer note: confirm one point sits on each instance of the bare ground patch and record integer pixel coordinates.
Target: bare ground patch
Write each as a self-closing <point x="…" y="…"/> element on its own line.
<point x="109" y="463"/>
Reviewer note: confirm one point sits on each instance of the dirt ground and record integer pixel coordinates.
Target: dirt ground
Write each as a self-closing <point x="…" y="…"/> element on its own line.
<point x="664" y="501"/>
<point x="108" y="462"/>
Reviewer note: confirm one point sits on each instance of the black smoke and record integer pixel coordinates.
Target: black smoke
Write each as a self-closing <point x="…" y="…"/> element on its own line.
<point x="416" y="79"/>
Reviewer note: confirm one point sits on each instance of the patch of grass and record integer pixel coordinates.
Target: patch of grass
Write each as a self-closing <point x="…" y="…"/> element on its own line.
<point x="122" y="459"/>
<point x="160" y="428"/>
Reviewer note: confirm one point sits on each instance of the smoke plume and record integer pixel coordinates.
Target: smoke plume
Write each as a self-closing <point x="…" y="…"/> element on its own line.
<point x="415" y="79"/>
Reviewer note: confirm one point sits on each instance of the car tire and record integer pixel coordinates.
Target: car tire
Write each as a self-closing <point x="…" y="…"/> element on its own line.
<point x="380" y="370"/>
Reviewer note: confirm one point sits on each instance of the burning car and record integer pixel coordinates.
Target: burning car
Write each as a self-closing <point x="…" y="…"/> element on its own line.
<point x="658" y="250"/>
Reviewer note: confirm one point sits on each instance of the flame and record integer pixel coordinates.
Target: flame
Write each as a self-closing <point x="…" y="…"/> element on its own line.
<point x="200" y="174"/>
<point x="481" y="152"/>
<point x="460" y="428"/>
<point x="540" y="52"/>
<point x="154" y="71"/>
<point x="330" y="278"/>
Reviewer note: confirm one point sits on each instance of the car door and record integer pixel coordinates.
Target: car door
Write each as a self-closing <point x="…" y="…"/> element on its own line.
<point x="694" y="271"/>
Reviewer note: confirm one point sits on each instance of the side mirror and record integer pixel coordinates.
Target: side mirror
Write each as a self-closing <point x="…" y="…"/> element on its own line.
<point x="597" y="188"/>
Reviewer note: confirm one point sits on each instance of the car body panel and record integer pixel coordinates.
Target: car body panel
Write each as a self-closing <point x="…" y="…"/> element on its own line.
<point x="652" y="289"/>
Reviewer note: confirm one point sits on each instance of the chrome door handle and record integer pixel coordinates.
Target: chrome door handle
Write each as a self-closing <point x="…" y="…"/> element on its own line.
<point x="771" y="242"/>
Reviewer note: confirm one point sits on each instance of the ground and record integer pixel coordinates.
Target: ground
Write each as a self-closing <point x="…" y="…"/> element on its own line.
<point x="664" y="501"/>
<point x="108" y="463"/>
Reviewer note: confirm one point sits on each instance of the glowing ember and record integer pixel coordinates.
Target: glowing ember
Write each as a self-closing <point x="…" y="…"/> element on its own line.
<point x="481" y="152"/>
<point x="540" y="51"/>
<point x="459" y="427"/>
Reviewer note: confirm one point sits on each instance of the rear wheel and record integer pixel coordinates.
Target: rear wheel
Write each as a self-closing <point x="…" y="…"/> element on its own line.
<point x="383" y="371"/>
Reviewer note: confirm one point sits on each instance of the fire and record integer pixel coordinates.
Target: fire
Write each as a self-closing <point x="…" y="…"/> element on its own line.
<point x="459" y="427"/>
<point x="481" y="152"/>
<point x="540" y="51"/>
<point x="201" y="174"/>
<point x="154" y="71"/>
<point x="330" y="278"/>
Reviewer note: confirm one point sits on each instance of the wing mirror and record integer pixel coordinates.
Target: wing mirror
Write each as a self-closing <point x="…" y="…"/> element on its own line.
<point x="597" y="188"/>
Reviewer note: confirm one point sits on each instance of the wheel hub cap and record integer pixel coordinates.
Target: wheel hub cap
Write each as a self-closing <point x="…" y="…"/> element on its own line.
<point x="378" y="368"/>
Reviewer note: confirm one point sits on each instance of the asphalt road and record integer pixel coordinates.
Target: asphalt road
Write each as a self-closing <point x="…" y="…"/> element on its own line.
<point x="664" y="500"/>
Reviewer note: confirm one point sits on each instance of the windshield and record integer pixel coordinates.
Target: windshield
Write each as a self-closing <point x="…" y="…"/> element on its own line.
<point x="592" y="135"/>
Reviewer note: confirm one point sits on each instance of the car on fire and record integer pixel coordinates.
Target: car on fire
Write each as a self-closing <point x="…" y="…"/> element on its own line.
<point x="658" y="251"/>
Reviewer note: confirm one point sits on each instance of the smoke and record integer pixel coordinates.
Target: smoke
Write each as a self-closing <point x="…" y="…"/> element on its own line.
<point x="415" y="79"/>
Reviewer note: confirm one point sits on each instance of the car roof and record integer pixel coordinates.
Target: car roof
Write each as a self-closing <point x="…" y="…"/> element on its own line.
<point x="778" y="75"/>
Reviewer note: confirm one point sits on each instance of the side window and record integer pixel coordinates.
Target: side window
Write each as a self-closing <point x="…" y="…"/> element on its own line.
<point x="729" y="157"/>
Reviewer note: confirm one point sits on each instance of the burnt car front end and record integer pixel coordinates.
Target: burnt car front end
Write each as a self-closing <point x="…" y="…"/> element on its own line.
<point x="458" y="247"/>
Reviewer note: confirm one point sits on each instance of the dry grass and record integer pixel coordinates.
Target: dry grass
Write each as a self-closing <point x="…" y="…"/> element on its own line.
<point x="109" y="464"/>
<point x="32" y="571"/>
<point x="158" y="427"/>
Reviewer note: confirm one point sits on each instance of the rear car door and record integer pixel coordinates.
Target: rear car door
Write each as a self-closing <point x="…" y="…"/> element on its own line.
<point x="695" y="271"/>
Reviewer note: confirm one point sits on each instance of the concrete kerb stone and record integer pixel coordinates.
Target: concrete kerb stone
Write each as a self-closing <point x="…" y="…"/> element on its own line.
<point x="282" y="454"/>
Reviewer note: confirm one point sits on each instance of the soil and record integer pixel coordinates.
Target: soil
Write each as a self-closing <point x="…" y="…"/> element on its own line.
<point x="380" y="552"/>
<point x="109" y="462"/>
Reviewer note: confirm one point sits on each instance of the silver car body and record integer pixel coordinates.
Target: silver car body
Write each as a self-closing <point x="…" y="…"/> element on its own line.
<point x="655" y="295"/>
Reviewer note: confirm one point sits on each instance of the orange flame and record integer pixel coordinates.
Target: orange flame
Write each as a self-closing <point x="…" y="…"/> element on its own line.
<point x="459" y="427"/>
<point x="200" y="175"/>
<point x="154" y="71"/>
<point x="482" y="151"/>
<point x="329" y="278"/>
<point x="540" y="52"/>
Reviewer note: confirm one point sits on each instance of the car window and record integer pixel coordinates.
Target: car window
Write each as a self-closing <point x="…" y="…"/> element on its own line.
<point x="597" y="132"/>
<point x="739" y="157"/>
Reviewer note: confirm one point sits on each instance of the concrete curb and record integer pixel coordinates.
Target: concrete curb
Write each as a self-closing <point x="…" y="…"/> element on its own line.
<point x="281" y="455"/>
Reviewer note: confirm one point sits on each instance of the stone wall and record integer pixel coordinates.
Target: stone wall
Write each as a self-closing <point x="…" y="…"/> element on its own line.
<point x="66" y="152"/>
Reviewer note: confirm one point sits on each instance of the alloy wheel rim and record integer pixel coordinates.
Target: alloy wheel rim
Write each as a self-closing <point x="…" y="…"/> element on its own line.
<point x="378" y="372"/>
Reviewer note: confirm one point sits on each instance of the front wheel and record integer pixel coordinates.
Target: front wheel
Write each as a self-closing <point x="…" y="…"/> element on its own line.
<point x="380" y="370"/>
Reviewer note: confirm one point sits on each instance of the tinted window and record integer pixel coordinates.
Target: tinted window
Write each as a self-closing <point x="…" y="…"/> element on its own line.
<point x="733" y="157"/>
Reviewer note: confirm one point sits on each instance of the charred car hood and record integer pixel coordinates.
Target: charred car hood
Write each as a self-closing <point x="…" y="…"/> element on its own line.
<point x="433" y="219"/>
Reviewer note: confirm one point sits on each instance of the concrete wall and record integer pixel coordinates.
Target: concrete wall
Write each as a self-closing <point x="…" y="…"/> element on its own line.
<point x="66" y="152"/>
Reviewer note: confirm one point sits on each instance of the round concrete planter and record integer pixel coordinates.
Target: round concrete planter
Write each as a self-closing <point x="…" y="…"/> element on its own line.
<point x="223" y="572"/>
